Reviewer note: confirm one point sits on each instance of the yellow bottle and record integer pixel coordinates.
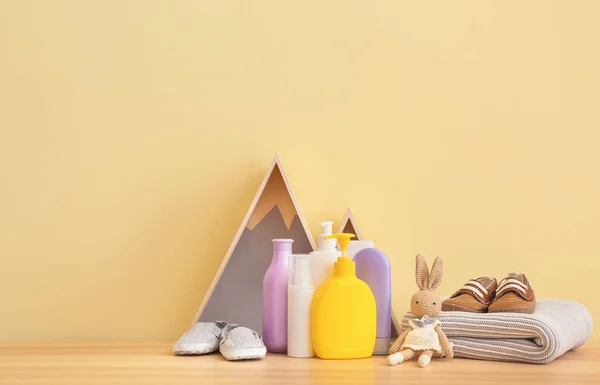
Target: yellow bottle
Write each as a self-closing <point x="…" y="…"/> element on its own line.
<point x="343" y="312"/>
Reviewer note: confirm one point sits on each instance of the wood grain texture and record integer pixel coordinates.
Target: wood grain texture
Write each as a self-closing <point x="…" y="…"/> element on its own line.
<point x="152" y="363"/>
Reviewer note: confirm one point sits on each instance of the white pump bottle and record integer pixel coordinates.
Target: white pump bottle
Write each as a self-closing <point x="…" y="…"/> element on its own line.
<point x="324" y="257"/>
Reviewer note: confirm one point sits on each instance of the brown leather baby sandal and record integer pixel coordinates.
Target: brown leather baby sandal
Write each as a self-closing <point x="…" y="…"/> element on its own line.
<point x="474" y="297"/>
<point x="514" y="295"/>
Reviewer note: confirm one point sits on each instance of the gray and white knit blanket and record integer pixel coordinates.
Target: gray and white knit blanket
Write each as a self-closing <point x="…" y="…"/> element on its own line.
<point x="555" y="327"/>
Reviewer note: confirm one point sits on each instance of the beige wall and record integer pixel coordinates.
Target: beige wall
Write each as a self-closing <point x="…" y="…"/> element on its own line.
<point x="133" y="135"/>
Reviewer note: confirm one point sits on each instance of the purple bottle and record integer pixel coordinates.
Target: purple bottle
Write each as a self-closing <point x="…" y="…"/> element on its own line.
<point x="373" y="267"/>
<point x="275" y="298"/>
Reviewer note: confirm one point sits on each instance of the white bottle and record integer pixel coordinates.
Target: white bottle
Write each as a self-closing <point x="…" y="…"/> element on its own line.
<point x="356" y="246"/>
<point x="300" y="295"/>
<point x="324" y="257"/>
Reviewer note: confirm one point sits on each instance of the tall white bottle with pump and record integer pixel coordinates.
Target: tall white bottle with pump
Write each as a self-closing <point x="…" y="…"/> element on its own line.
<point x="300" y="295"/>
<point x="324" y="257"/>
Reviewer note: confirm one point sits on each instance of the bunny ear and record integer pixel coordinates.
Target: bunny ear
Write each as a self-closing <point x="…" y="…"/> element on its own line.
<point x="437" y="271"/>
<point x="422" y="272"/>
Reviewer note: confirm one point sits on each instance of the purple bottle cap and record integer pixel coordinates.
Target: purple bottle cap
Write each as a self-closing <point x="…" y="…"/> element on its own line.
<point x="282" y="244"/>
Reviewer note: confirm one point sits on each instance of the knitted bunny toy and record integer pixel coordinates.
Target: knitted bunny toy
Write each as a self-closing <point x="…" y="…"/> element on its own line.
<point x="424" y="336"/>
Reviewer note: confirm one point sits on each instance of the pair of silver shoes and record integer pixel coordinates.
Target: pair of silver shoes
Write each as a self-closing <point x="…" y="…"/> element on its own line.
<point x="233" y="341"/>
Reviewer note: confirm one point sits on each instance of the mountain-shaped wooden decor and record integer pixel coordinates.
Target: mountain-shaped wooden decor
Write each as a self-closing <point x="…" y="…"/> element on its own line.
<point x="348" y="225"/>
<point x="235" y="294"/>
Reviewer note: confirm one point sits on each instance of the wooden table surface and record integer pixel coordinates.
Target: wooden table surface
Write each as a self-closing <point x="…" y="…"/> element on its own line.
<point x="152" y="363"/>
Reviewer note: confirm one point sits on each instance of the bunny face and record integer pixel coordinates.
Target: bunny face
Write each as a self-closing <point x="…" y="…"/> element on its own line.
<point x="425" y="302"/>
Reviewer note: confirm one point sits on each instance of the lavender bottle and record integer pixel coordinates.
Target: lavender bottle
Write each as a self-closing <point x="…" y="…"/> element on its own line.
<point x="373" y="267"/>
<point x="275" y="298"/>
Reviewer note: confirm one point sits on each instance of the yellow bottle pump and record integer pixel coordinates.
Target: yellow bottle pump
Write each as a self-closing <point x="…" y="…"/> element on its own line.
<point x="343" y="311"/>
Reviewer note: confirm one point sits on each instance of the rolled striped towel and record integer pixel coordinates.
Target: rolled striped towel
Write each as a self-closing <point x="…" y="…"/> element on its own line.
<point x="555" y="327"/>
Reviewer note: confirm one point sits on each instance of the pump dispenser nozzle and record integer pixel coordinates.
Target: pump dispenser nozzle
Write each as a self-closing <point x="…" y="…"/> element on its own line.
<point x="343" y="241"/>
<point x="344" y="265"/>
<point x="323" y="242"/>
